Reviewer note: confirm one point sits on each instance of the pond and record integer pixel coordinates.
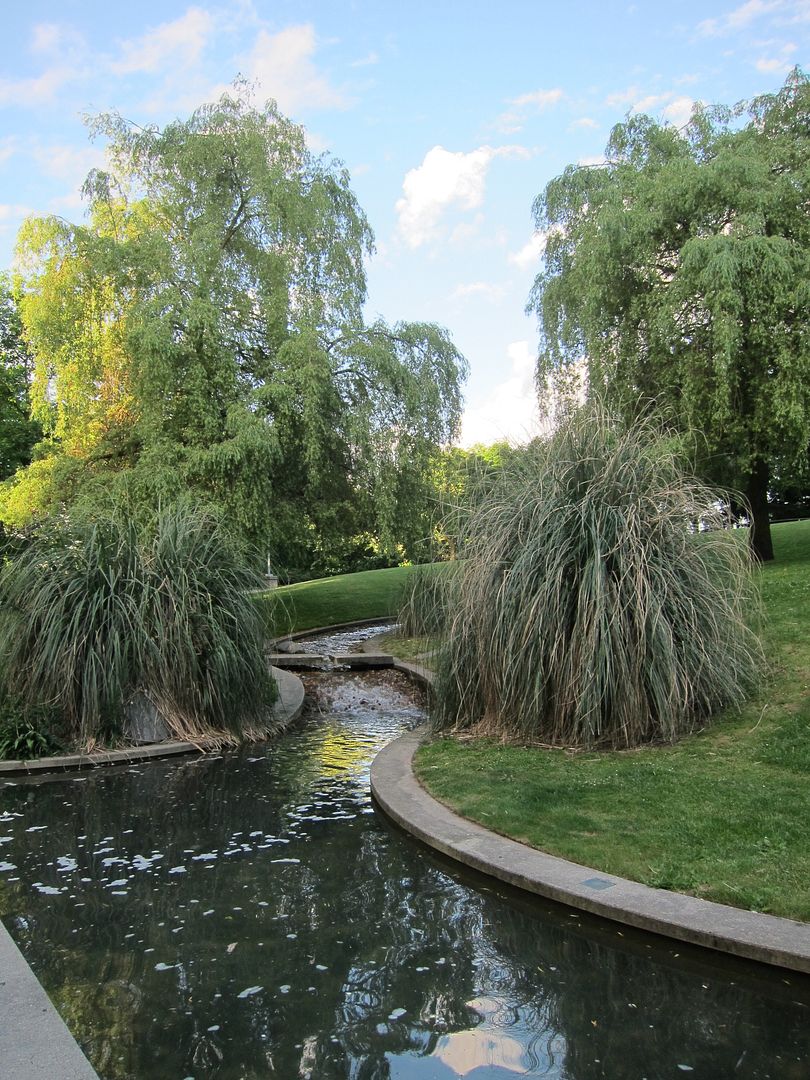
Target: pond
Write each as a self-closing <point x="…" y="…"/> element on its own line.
<point x="250" y="915"/>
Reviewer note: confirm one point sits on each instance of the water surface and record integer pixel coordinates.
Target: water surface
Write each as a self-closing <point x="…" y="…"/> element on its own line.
<point x="250" y="915"/>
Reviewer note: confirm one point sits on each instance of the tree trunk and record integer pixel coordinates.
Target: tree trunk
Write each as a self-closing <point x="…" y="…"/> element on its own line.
<point x="759" y="537"/>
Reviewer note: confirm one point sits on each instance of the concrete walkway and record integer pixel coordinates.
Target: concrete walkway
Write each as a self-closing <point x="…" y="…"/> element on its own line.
<point x="34" y="1042"/>
<point x="764" y="938"/>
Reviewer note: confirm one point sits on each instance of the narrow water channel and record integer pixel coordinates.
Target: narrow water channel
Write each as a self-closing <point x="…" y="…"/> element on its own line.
<point x="251" y="915"/>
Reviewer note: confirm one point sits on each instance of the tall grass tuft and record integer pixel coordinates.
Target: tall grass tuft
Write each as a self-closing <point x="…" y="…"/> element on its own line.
<point x="600" y="602"/>
<point x="92" y="613"/>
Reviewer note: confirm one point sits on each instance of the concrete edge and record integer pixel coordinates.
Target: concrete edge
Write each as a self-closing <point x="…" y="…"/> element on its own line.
<point x="286" y="710"/>
<point x="35" y="1044"/>
<point x="766" y="939"/>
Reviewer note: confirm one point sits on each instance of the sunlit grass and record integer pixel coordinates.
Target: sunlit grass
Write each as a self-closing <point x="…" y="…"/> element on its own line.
<point x="371" y="594"/>
<point x="723" y="814"/>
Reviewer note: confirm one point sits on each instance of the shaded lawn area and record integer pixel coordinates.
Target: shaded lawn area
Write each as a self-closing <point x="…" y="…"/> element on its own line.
<point x="724" y="815"/>
<point x="371" y="594"/>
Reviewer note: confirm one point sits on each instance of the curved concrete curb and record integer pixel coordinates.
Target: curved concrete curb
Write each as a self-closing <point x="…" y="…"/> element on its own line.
<point x="286" y="709"/>
<point x="764" y="938"/>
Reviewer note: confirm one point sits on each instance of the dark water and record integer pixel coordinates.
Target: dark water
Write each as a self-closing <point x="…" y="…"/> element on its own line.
<point x="251" y="916"/>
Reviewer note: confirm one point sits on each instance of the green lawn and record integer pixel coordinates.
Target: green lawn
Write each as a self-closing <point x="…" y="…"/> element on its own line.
<point x="723" y="815"/>
<point x="371" y="594"/>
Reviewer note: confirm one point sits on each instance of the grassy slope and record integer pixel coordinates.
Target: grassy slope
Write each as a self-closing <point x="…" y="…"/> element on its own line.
<point x="371" y="594"/>
<point x="723" y="815"/>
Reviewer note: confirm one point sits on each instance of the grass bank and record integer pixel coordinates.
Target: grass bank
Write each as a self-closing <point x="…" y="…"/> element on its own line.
<point x="371" y="594"/>
<point x="721" y="815"/>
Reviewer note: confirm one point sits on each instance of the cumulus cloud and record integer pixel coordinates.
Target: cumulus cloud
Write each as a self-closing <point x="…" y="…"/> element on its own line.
<point x="484" y="289"/>
<point x="179" y="43"/>
<point x="282" y="65"/>
<point x="39" y="90"/>
<point x="445" y="180"/>
<point x="678" y="111"/>
<point x="531" y="252"/>
<point x="673" y="107"/>
<point x="739" y="18"/>
<point x="510" y="410"/>
<point x="779" y="64"/>
<point x="524" y="105"/>
<point x="71" y="163"/>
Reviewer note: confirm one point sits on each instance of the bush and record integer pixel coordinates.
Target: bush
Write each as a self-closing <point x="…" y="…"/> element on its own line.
<point x="90" y="614"/>
<point x="26" y="734"/>
<point x="600" y="601"/>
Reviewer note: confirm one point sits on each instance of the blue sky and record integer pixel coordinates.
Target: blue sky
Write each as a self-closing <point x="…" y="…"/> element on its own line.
<point x="451" y="117"/>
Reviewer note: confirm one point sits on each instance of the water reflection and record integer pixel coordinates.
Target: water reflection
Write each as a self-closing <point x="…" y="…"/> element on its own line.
<point x="251" y="916"/>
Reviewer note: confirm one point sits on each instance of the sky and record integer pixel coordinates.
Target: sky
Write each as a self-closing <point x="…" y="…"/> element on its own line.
<point x="451" y="116"/>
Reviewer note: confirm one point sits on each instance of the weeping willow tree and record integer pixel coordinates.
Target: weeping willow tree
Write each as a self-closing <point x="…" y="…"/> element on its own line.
<point x="679" y="269"/>
<point x="600" y="601"/>
<point x="203" y="332"/>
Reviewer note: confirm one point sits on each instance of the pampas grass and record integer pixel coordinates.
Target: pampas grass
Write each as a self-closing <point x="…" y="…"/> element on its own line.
<point x="600" y="601"/>
<point x="92" y="613"/>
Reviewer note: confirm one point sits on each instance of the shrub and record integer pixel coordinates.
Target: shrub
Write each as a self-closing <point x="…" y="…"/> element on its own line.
<point x="26" y="734"/>
<point x="600" y="601"/>
<point x="91" y="613"/>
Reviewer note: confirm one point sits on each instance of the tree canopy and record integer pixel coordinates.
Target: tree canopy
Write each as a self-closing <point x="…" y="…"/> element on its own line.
<point x="203" y="333"/>
<point x="18" y="433"/>
<point x="678" y="272"/>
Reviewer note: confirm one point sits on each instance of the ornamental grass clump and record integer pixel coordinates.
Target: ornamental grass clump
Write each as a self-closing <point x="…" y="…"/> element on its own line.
<point x="601" y="602"/>
<point x="92" y="614"/>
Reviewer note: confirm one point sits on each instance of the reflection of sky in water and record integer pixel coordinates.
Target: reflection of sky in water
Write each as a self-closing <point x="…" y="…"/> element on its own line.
<point x="248" y="915"/>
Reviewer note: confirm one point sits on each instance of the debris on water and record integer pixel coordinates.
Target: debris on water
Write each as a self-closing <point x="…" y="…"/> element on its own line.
<point x="250" y="991"/>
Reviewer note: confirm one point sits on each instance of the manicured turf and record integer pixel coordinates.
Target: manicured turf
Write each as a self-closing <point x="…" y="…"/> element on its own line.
<point x="723" y="815"/>
<point x="371" y="594"/>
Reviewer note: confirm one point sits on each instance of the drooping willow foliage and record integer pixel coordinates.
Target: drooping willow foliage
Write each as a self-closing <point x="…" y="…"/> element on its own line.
<point x="600" y="600"/>
<point x="92" y="613"/>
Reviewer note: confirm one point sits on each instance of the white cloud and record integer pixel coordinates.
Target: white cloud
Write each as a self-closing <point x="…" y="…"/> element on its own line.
<point x="585" y="122"/>
<point x="510" y="410"/>
<point x="622" y="97"/>
<point x="738" y="19"/>
<point x="36" y="91"/>
<point x="531" y="252"/>
<point x="520" y="107"/>
<point x="777" y="65"/>
<point x="592" y="160"/>
<point x="539" y="99"/>
<point x="71" y="163"/>
<point x="443" y="181"/>
<point x="484" y="289"/>
<point x="366" y="61"/>
<point x="59" y="41"/>
<point x="10" y="211"/>
<point x="282" y="66"/>
<point x="678" y="111"/>
<point x="179" y="43"/>
<point x="675" y="108"/>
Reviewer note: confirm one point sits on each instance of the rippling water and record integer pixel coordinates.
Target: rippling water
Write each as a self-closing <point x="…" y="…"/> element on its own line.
<point x="251" y="916"/>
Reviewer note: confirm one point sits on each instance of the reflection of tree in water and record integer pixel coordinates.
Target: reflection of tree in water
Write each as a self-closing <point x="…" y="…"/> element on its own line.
<point x="622" y="1015"/>
<point x="370" y="957"/>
